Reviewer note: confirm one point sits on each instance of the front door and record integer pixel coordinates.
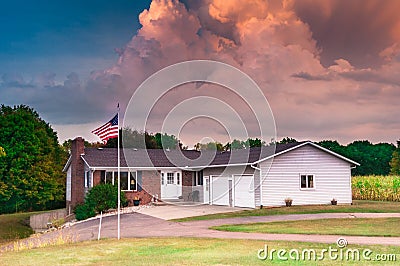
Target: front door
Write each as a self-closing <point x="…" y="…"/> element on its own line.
<point x="171" y="185"/>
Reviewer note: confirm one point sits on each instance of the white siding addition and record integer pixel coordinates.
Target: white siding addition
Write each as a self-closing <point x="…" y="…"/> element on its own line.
<point x="331" y="178"/>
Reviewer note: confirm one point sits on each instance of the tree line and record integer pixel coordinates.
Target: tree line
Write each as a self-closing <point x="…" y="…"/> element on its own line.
<point x="374" y="159"/>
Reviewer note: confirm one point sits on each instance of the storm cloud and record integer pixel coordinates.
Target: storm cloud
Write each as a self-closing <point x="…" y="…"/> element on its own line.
<point x="329" y="69"/>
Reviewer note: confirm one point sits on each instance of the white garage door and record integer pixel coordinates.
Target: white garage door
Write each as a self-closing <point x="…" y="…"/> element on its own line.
<point x="244" y="191"/>
<point x="220" y="190"/>
<point x="235" y="191"/>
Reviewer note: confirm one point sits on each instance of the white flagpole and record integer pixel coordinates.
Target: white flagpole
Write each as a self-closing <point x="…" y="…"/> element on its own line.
<point x="119" y="185"/>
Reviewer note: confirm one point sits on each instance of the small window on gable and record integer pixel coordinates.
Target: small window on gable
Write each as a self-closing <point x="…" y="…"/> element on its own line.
<point x="306" y="181"/>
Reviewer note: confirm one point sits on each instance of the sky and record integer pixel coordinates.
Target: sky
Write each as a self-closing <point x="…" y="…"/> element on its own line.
<point x="329" y="69"/>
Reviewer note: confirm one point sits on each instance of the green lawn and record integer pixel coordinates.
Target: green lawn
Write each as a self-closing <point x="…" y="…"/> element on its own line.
<point x="176" y="251"/>
<point x="358" y="206"/>
<point x="357" y="226"/>
<point x="14" y="226"/>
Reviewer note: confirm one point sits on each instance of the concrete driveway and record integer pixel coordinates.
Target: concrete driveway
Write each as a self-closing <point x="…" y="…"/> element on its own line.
<point x="169" y="212"/>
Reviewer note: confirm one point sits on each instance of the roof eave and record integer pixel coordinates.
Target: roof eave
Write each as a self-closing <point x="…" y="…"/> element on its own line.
<point x="312" y="144"/>
<point x="65" y="169"/>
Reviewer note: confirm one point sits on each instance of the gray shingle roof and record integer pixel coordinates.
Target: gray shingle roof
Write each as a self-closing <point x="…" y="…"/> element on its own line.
<point x="107" y="157"/>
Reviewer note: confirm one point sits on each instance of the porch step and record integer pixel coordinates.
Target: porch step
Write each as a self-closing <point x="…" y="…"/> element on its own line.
<point x="161" y="203"/>
<point x="175" y="202"/>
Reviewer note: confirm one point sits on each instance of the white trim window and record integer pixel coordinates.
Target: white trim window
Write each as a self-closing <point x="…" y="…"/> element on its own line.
<point x="87" y="179"/>
<point x="170" y="178"/>
<point x="307" y="181"/>
<point x="128" y="179"/>
<point x="198" y="178"/>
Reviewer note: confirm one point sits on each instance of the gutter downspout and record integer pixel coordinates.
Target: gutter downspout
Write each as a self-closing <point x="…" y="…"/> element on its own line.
<point x="259" y="179"/>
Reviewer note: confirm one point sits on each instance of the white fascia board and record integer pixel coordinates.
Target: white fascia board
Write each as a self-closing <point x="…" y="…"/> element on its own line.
<point x="335" y="154"/>
<point x="279" y="153"/>
<point x="86" y="162"/>
<point x="312" y="144"/>
<point x="134" y="168"/>
<point x="218" y="165"/>
<point x="65" y="169"/>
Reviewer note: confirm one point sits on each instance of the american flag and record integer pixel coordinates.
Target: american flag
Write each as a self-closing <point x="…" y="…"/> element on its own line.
<point x="109" y="130"/>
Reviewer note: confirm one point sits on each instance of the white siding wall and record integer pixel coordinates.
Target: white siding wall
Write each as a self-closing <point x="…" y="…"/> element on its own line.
<point x="257" y="196"/>
<point x="332" y="178"/>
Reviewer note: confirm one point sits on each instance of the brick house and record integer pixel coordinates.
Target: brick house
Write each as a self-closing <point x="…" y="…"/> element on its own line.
<point x="304" y="171"/>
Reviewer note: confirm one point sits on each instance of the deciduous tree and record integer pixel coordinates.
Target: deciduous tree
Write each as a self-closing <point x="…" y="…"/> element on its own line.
<point x="31" y="175"/>
<point x="395" y="162"/>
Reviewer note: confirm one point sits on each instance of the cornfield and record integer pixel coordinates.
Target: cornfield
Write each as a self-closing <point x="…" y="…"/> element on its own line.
<point x="384" y="188"/>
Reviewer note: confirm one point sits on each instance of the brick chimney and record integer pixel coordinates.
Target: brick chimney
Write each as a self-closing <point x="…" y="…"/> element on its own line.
<point x="77" y="174"/>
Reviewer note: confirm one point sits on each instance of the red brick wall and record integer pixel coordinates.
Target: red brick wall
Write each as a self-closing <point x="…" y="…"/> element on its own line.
<point x="150" y="187"/>
<point x="96" y="177"/>
<point x="187" y="180"/>
<point x="77" y="174"/>
<point x="152" y="182"/>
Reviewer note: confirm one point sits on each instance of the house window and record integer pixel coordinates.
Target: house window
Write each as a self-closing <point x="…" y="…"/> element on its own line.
<point x="194" y="183"/>
<point x="124" y="180"/>
<point x="109" y="178"/>
<point x="200" y="178"/>
<point x="306" y="181"/>
<point x="132" y="181"/>
<point x="178" y="178"/>
<point x="162" y="178"/>
<point x="103" y="176"/>
<point x="128" y="180"/>
<point x="170" y="178"/>
<point x="87" y="179"/>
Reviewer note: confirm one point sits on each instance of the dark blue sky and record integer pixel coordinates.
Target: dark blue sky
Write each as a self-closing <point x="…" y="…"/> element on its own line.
<point x="64" y="36"/>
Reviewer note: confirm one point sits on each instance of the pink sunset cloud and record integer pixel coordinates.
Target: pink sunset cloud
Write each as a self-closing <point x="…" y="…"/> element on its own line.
<point x="273" y="43"/>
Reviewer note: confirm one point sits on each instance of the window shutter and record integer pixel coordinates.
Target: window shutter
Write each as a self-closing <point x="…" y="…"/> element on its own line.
<point x="139" y="180"/>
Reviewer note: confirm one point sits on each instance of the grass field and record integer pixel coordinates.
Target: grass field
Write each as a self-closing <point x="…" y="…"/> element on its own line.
<point x="358" y="206"/>
<point x="14" y="226"/>
<point x="359" y="227"/>
<point x="176" y="251"/>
